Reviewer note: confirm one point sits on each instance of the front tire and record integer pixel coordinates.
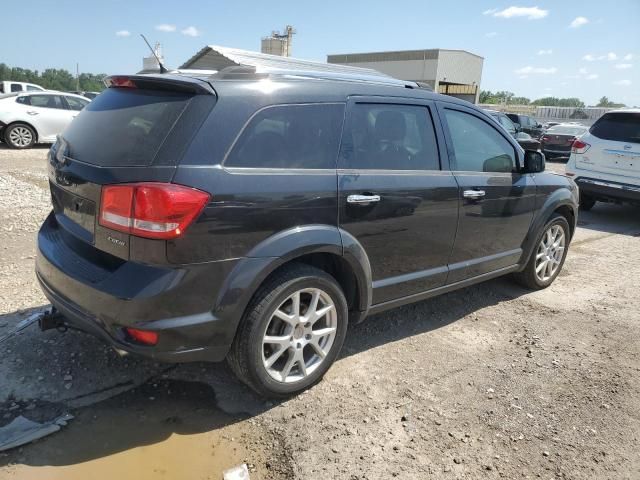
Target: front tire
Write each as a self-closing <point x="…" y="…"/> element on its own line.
<point x="292" y="332"/>
<point x="20" y="136"/>
<point x="548" y="256"/>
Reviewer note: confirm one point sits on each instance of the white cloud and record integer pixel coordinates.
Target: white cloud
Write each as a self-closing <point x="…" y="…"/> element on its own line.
<point x="532" y="13"/>
<point x="628" y="57"/>
<point x="583" y="71"/>
<point x="545" y="52"/>
<point x="536" y="70"/>
<point x="593" y="76"/>
<point x="548" y="89"/>
<point x="191" y="31"/>
<point x="522" y="77"/>
<point x="623" y="83"/>
<point x="589" y="58"/>
<point x="166" y="27"/>
<point x="624" y="66"/>
<point x="578" y="22"/>
<point x="612" y="56"/>
<point x="123" y="33"/>
<point x="491" y="34"/>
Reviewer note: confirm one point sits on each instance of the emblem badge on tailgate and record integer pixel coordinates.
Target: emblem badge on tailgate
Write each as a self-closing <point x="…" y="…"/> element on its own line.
<point x="116" y="241"/>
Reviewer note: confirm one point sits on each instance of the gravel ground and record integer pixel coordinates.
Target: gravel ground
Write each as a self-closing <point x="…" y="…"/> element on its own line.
<point x="489" y="382"/>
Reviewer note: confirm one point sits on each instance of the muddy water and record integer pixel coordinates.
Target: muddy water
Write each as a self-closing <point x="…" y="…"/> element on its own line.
<point x="163" y="430"/>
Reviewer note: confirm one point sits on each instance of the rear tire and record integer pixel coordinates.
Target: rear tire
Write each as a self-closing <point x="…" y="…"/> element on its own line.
<point x="291" y="333"/>
<point x="548" y="256"/>
<point x="20" y="136"/>
<point x="586" y="202"/>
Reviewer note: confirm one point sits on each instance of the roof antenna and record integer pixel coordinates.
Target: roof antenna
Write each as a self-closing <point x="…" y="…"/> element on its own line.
<point x="153" y="52"/>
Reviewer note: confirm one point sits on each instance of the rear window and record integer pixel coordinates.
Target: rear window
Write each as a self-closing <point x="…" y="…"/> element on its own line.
<point x="620" y="127"/>
<point x="290" y="136"/>
<point x="124" y="127"/>
<point x="563" y="130"/>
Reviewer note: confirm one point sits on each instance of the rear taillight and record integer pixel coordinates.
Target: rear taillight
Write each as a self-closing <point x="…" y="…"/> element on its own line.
<point x="146" y="337"/>
<point x="579" y="146"/>
<point x="123" y="82"/>
<point x="545" y="139"/>
<point x="150" y="210"/>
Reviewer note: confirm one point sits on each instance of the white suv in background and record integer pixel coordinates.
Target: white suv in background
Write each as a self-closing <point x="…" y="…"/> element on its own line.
<point x="605" y="161"/>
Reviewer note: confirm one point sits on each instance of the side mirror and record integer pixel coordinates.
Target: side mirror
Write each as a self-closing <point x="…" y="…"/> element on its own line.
<point x="534" y="161"/>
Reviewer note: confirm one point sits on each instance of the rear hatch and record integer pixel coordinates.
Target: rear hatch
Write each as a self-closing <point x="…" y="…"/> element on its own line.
<point x="616" y="147"/>
<point x="560" y="138"/>
<point x="136" y="131"/>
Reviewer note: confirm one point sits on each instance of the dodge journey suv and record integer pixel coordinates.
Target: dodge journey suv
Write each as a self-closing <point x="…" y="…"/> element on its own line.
<point x="252" y="216"/>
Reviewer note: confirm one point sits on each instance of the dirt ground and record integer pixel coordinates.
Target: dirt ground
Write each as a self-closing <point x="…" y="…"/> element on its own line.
<point x="489" y="382"/>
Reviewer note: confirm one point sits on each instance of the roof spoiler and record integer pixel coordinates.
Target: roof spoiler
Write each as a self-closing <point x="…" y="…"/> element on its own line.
<point x="166" y="81"/>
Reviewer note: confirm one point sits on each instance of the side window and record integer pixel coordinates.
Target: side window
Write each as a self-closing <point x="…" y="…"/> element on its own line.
<point x="507" y="124"/>
<point x="76" y="103"/>
<point x="290" y="136"/>
<point x="390" y="137"/>
<point x="16" y="87"/>
<point x="33" y="88"/>
<point x="478" y="147"/>
<point x="23" y="100"/>
<point x="46" y="101"/>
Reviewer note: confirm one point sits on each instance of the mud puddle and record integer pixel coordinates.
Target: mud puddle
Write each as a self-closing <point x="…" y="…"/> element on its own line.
<point x="160" y="430"/>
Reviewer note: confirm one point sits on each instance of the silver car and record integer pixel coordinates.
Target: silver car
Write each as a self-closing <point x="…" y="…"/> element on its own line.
<point x="27" y="118"/>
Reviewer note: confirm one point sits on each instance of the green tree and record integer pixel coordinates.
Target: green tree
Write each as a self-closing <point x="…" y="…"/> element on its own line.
<point x="53" y="78"/>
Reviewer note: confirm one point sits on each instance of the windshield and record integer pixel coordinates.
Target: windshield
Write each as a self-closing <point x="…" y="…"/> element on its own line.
<point x="124" y="127"/>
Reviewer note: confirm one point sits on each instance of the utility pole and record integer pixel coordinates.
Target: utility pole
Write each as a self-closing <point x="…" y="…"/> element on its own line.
<point x="77" y="77"/>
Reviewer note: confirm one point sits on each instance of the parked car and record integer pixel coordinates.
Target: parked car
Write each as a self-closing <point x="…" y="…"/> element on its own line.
<point x="7" y="86"/>
<point x="527" y="124"/>
<point x="557" y="141"/>
<point x="605" y="161"/>
<point x="547" y="125"/>
<point x="524" y="139"/>
<point x="89" y="95"/>
<point x="36" y="117"/>
<point x="154" y="244"/>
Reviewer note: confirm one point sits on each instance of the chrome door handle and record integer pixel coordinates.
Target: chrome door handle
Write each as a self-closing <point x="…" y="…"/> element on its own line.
<point x="31" y="112"/>
<point x="474" y="194"/>
<point x="363" y="199"/>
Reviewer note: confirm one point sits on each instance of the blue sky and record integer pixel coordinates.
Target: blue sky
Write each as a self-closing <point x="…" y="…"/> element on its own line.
<point x="581" y="48"/>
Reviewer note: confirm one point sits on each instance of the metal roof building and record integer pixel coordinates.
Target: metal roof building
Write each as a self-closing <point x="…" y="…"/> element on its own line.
<point x="452" y="72"/>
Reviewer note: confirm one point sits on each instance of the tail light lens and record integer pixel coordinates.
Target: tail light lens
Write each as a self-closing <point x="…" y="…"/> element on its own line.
<point x="545" y="139"/>
<point x="117" y="81"/>
<point x="151" y="210"/>
<point x="579" y="146"/>
<point x="145" y="337"/>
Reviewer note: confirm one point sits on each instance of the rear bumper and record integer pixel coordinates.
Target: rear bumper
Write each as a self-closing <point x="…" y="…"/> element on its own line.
<point x="556" y="152"/>
<point x="607" y="190"/>
<point x="176" y="302"/>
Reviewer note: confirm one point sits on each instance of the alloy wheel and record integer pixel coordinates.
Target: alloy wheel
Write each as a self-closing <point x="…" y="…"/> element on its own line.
<point x="20" y="136"/>
<point x="299" y="335"/>
<point x="550" y="252"/>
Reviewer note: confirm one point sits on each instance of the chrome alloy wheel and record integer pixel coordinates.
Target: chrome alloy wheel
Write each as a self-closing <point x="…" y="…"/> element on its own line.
<point x="20" y="136"/>
<point x="550" y="252"/>
<point x="299" y="335"/>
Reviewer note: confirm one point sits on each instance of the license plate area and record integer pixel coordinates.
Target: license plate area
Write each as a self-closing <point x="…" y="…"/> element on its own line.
<point x="73" y="212"/>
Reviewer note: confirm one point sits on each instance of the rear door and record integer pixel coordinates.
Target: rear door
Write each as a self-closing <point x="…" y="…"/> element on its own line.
<point x="394" y="196"/>
<point x="48" y="114"/>
<point x="614" y="145"/>
<point x="496" y="200"/>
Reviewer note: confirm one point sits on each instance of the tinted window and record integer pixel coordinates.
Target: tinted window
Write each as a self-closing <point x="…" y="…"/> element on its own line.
<point x="76" y="103"/>
<point x="32" y="88"/>
<point x="390" y="137"/>
<point x="566" y="130"/>
<point x="46" y="101"/>
<point x="478" y="147"/>
<point x="620" y="127"/>
<point x="124" y="127"/>
<point x="290" y="136"/>
<point x="23" y="100"/>
<point x="507" y="124"/>
<point x="16" y="87"/>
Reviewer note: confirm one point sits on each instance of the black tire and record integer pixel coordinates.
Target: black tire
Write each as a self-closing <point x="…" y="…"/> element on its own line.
<point x="528" y="277"/>
<point x="24" y="127"/>
<point x="246" y="355"/>
<point x="586" y="202"/>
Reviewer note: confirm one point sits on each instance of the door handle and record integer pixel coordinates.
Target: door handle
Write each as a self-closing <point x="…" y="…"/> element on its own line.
<point x="362" y="199"/>
<point x="31" y="112"/>
<point x="474" y="194"/>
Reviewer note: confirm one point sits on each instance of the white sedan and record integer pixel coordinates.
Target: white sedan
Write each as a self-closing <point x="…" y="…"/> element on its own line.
<point x="27" y="118"/>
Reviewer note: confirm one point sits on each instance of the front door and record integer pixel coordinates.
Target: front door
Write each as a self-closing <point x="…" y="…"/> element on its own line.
<point x="394" y="196"/>
<point x="497" y="202"/>
<point x="48" y="114"/>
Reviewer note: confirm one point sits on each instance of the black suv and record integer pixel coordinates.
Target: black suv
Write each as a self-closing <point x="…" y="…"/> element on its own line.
<point x="253" y="216"/>
<point x="527" y="124"/>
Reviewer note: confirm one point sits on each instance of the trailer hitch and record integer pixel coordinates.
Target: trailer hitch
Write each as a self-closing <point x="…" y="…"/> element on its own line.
<point x="46" y="319"/>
